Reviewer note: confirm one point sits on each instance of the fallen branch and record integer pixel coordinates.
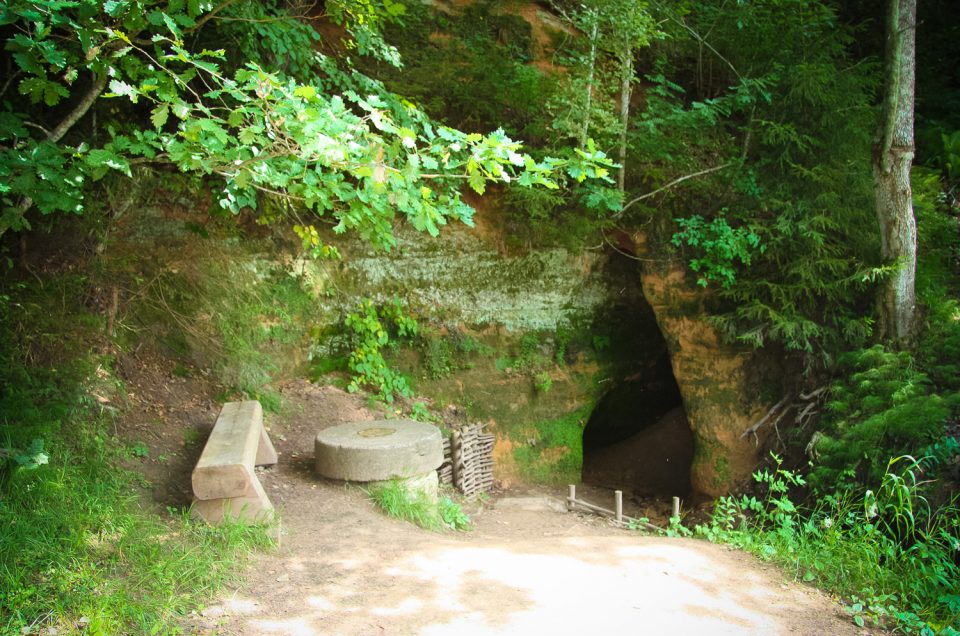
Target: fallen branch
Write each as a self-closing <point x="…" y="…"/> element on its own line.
<point x="766" y="418"/>
<point x="808" y="403"/>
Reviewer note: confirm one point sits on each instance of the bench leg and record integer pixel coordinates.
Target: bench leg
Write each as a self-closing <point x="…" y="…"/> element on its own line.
<point x="266" y="454"/>
<point x="252" y="508"/>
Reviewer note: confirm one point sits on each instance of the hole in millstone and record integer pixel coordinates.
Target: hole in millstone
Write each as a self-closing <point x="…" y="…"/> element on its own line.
<point x="376" y="432"/>
<point x="638" y="439"/>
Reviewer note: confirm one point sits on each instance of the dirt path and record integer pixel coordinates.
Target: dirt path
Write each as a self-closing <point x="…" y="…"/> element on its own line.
<point x="343" y="568"/>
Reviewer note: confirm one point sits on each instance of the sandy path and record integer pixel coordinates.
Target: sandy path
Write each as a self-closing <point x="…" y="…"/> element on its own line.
<point x="344" y="568"/>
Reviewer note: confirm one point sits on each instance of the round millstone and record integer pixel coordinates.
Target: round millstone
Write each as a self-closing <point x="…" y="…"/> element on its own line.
<point x="377" y="451"/>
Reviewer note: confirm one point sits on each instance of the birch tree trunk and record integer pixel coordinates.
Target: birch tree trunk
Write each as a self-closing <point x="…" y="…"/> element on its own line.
<point x="626" y="86"/>
<point x="594" y="36"/>
<point x="892" y="160"/>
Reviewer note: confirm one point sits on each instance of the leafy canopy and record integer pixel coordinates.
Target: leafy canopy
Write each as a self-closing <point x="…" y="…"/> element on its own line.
<point x="332" y="140"/>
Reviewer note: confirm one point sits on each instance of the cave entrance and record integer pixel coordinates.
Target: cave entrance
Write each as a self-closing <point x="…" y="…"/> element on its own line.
<point x="638" y="439"/>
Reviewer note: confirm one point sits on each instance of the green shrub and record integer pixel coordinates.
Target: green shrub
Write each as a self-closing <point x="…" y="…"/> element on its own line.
<point x="438" y="357"/>
<point x="542" y="382"/>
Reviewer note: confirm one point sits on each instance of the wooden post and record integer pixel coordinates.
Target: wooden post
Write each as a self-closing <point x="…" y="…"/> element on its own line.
<point x="571" y="498"/>
<point x="618" y="500"/>
<point x="112" y="311"/>
<point x="676" y="507"/>
<point x="456" y="457"/>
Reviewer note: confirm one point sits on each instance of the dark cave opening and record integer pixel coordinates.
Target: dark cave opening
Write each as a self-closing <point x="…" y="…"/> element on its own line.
<point x="637" y="438"/>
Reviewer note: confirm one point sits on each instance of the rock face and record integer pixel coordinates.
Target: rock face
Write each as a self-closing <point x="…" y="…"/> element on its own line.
<point x="713" y="381"/>
<point x="525" y="339"/>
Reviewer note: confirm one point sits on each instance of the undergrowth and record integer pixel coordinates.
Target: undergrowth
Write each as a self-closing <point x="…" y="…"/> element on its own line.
<point x="372" y="328"/>
<point x="884" y="403"/>
<point x="205" y="298"/>
<point x="888" y="552"/>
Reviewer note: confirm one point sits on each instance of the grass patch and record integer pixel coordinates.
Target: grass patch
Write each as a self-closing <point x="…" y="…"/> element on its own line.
<point x="401" y="503"/>
<point x="76" y="548"/>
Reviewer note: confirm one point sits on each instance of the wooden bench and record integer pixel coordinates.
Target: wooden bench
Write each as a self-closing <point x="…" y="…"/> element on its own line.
<point x="224" y="482"/>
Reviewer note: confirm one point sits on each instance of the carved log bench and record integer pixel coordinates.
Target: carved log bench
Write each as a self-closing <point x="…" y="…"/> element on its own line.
<point x="224" y="482"/>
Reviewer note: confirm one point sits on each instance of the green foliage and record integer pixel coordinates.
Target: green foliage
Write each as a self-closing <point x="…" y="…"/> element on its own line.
<point x="887" y="552"/>
<point x="444" y="354"/>
<point x="721" y="246"/>
<point x="452" y="514"/>
<point x="534" y="359"/>
<point x="469" y="68"/>
<point x="766" y="106"/>
<point x="950" y="159"/>
<point x="613" y="30"/>
<point x="372" y="328"/>
<point x="438" y="358"/>
<point x="266" y="31"/>
<point x="601" y="343"/>
<point x="883" y="405"/>
<point x="139" y="450"/>
<point x="29" y="458"/>
<point x="542" y="382"/>
<point x="938" y="243"/>
<point x="420" y="412"/>
<point x="335" y="143"/>
<point x="400" y="502"/>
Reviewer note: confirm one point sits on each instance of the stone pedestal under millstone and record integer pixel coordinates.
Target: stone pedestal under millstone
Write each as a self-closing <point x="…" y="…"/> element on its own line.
<point x="378" y="451"/>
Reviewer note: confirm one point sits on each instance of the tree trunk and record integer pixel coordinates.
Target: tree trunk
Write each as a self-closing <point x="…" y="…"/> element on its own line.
<point x="594" y="36"/>
<point x="626" y="86"/>
<point x="893" y="158"/>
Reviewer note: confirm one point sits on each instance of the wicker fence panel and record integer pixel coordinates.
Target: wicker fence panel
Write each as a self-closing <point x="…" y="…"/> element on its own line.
<point x="468" y="460"/>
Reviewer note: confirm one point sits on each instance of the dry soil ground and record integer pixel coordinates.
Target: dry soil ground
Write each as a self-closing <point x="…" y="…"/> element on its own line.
<point x="344" y="568"/>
